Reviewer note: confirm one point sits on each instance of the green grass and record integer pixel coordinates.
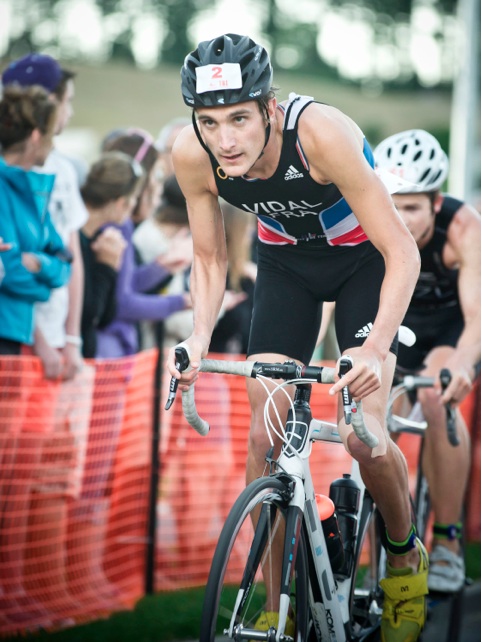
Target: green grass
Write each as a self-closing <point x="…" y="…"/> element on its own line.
<point x="169" y="616"/>
<point x="158" y="618"/>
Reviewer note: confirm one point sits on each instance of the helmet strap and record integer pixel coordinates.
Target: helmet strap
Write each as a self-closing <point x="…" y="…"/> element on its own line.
<point x="267" y="132"/>
<point x="198" y="133"/>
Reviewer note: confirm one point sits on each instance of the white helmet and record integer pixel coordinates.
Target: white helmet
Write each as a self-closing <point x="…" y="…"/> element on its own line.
<point x="416" y="156"/>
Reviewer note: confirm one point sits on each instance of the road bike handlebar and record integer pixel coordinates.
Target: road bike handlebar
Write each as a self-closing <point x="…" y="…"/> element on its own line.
<point x="287" y="371"/>
<point x="413" y="382"/>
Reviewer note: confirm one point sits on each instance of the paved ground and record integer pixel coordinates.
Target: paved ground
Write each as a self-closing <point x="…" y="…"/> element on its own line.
<point x="437" y="628"/>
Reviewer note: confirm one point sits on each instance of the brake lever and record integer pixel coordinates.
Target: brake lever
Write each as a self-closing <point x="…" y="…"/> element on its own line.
<point x="181" y="363"/>
<point x="349" y="406"/>
<point x="445" y="379"/>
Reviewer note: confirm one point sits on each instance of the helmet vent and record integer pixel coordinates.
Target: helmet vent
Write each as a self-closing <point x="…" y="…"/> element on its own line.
<point x="424" y="175"/>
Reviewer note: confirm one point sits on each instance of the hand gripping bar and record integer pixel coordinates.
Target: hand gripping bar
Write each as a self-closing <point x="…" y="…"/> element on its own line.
<point x="412" y="382"/>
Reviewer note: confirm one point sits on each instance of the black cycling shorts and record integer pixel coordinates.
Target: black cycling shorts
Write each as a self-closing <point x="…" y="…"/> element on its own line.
<point x="292" y="283"/>
<point x="433" y="328"/>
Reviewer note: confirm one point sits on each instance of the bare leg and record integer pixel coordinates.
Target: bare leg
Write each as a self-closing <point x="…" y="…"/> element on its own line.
<point x="442" y="462"/>
<point x="386" y="475"/>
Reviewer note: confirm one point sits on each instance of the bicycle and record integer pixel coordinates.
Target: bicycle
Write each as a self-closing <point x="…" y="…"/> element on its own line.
<point x="322" y="597"/>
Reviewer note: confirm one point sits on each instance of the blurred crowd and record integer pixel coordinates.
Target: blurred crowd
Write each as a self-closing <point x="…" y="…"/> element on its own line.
<point x="94" y="264"/>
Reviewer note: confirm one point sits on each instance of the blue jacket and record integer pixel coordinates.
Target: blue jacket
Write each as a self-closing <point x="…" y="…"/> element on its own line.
<point x="25" y="223"/>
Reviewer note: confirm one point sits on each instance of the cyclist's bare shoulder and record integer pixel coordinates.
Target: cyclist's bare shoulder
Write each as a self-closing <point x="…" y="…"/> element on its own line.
<point x="463" y="238"/>
<point x="192" y="165"/>
<point x="332" y="142"/>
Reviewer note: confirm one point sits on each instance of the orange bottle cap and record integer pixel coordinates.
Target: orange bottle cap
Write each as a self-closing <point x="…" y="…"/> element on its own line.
<point x="325" y="505"/>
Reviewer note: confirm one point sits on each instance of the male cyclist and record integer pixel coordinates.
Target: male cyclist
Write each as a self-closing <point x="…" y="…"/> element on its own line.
<point x="444" y="313"/>
<point x="328" y="231"/>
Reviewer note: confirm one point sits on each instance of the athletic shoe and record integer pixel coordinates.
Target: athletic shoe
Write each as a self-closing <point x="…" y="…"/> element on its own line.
<point x="269" y="619"/>
<point x="447" y="571"/>
<point x="404" y="608"/>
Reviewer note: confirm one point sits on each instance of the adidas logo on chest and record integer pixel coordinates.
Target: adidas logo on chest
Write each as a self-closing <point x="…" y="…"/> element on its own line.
<point x="292" y="173"/>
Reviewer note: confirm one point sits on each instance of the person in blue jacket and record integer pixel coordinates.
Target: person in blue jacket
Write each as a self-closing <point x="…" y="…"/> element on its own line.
<point x="37" y="260"/>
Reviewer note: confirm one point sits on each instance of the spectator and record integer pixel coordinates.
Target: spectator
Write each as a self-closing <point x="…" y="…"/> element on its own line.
<point x="166" y="236"/>
<point x="57" y="340"/>
<point x="110" y="193"/>
<point x="58" y="344"/>
<point x="139" y="144"/>
<point x="150" y="277"/>
<point x="135" y="301"/>
<point x="36" y="262"/>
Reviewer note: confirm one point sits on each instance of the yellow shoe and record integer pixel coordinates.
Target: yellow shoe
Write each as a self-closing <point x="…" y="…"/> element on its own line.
<point x="270" y="618"/>
<point x="404" y="608"/>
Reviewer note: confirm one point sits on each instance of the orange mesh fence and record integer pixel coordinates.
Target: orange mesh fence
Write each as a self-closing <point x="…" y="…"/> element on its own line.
<point x="75" y="474"/>
<point x="74" y="490"/>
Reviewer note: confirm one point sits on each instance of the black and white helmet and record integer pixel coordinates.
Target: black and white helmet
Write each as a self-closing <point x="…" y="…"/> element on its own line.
<point x="416" y="156"/>
<point x="227" y="70"/>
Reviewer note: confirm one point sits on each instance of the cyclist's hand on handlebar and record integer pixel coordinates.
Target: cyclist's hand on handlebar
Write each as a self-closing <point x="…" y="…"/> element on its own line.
<point x="460" y="384"/>
<point x="365" y="376"/>
<point x="196" y="349"/>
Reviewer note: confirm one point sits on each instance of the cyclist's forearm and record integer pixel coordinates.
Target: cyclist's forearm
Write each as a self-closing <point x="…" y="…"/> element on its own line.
<point x="208" y="283"/>
<point x="395" y="295"/>
<point x="468" y="345"/>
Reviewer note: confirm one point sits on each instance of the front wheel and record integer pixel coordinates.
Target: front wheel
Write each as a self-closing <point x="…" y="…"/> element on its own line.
<point x="245" y="574"/>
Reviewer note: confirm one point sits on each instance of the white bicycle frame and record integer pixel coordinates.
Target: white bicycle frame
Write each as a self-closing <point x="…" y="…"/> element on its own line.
<point x="331" y="616"/>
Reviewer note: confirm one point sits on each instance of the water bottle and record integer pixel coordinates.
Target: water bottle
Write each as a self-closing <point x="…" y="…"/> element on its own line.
<point x="345" y="494"/>
<point x="331" y="530"/>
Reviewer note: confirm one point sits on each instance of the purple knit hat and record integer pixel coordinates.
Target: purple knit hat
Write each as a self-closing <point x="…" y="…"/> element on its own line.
<point x="34" y="69"/>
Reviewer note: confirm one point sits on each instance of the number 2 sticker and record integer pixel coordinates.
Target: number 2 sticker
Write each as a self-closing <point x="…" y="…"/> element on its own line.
<point x="215" y="77"/>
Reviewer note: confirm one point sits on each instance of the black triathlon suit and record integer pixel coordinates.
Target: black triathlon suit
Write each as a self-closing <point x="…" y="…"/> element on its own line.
<point x="312" y="249"/>
<point x="434" y="313"/>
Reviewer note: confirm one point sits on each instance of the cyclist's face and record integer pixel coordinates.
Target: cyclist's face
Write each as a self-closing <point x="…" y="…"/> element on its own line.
<point x="418" y="213"/>
<point x="235" y="134"/>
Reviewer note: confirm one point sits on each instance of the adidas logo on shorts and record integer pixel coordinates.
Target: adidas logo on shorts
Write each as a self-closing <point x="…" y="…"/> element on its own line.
<point x="292" y="173"/>
<point x="365" y="331"/>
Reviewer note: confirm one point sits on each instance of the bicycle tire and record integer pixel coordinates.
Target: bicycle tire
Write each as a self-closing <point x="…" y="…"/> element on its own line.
<point x="234" y="570"/>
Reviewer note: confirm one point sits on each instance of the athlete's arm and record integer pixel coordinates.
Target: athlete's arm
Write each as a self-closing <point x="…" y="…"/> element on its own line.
<point x="333" y="145"/>
<point x="462" y="251"/>
<point x="209" y="268"/>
